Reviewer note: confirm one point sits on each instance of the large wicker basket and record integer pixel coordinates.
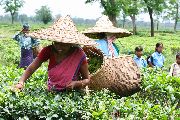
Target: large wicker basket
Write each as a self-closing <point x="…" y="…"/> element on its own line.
<point x="120" y="75"/>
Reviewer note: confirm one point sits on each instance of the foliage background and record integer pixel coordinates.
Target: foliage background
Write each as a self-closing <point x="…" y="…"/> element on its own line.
<point x="158" y="99"/>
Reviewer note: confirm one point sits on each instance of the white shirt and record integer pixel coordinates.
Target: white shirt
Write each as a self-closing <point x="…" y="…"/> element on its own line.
<point x="175" y="70"/>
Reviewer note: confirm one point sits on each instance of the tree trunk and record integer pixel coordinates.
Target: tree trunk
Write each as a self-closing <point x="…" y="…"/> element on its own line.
<point x="177" y="16"/>
<point x="112" y="15"/>
<point x="152" y="21"/>
<point x="150" y="10"/>
<point x="133" y="18"/>
<point x="124" y="20"/>
<point x="12" y="18"/>
<point x="113" y="19"/>
<point x="157" y="25"/>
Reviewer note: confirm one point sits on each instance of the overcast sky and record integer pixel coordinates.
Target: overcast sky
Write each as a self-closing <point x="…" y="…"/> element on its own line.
<point x="74" y="8"/>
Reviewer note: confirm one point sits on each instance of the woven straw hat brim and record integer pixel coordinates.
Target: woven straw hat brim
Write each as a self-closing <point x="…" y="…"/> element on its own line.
<point x="97" y="35"/>
<point x="68" y="37"/>
<point x="95" y="32"/>
<point x="63" y="30"/>
<point x="107" y="30"/>
<point x="104" y="25"/>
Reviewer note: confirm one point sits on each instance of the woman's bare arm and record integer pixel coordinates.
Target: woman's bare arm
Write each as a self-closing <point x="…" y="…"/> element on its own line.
<point x="28" y="72"/>
<point x="81" y="83"/>
<point x="85" y="74"/>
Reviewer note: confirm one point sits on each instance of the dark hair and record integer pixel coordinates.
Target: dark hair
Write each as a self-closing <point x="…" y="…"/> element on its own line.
<point x="177" y="55"/>
<point x="138" y="49"/>
<point x="157" y="45"/>
<point x="102" y="35"/>
<point x="26" y="26"/>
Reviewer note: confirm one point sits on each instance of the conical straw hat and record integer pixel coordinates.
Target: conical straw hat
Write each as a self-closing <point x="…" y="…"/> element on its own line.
<point x="104" y="25"/>
<point x="63" y="30"/>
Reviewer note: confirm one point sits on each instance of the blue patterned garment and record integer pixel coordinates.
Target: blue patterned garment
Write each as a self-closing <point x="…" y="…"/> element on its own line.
<point x="158" y="59"/>
<point x="26" y="42"/>
<point x="140" y="62"/>
<point x="103" y="45"/>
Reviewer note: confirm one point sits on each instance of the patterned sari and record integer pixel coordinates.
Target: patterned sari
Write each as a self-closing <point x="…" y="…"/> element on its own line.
<point x="26" y="57"/>
<point x="66" y="71"/>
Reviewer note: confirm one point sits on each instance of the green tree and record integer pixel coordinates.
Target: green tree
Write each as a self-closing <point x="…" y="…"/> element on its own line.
<point x="131" y="8"/>
<point x="57" y="16"/>
<point x="122" y="19"/>
<point x="158" y="16"/>
<point x="173" y="11"/>
<point x="23" y="18"/>
<point x="12" y="6"/>
<point x="153" y="6"/>
<point x="44" y="14"/>
<point x="111" y="8"/>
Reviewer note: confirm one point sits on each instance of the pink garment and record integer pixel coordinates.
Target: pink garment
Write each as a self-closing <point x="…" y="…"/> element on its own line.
<point x="110" y="45"/>
<point x="63" y="73"/>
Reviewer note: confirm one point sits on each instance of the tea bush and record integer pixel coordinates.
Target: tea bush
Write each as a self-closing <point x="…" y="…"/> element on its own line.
<point x="158" y="99"/>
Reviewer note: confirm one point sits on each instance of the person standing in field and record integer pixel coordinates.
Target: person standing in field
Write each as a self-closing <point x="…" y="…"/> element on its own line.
<point x="141" y="62"/>
<point x="175" y="67"/>
<point x="106" y="34"/>
<point x="68" y="67"/>
<point x="157" y="59"/>
<point x="27" y="45"/>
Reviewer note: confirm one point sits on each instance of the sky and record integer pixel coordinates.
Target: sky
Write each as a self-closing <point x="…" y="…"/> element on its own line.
<point x="74" y="8"/>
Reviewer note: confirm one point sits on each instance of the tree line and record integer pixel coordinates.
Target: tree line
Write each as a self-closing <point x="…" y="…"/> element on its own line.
<point x="164" y="9"/>
<point x="169" y="9"/>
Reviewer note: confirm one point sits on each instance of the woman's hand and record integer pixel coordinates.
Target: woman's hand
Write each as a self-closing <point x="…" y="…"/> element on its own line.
<point x="18" y="87"/>
<point x="82" y="83"/>
<point x="72" y="85"/>
<point x="78" y="84"/>
<point x="28" y="72"/>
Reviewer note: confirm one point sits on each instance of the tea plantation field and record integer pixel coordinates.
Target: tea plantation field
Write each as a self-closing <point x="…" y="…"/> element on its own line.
<point x="158" y="99"/>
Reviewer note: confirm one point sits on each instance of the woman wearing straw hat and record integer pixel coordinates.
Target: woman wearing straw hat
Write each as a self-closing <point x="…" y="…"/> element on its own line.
<point x="119" y="74"/>
<point x="106" y="34"/>
<point x="66" y="59"/>
<point x="27" y="45"/>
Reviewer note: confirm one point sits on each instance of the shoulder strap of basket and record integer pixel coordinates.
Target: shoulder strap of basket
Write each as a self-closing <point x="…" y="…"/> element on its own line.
<point x="173" y="69"/>
<point x="151" y="57"/>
